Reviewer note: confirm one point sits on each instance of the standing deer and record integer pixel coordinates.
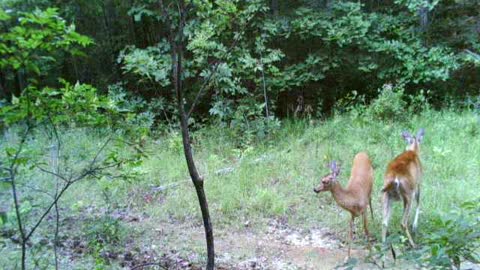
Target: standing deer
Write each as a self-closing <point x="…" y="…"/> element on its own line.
<point x="356" y="197"/>
<point x="402" y="180"/>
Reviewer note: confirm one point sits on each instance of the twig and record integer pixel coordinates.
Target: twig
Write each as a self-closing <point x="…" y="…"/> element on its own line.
<point x="69" y="182"/>
<point x="216" y="64"/>
<point x="264" y="87"/>
<point x="53" y="173"/>
<point x="40" y="191"/>
<point x="140" y="266"/>
<point x="164" y="187"/>
<point x="477" y="56"/>
<point x="12" y="170"/>
<point x="55" y="154"/>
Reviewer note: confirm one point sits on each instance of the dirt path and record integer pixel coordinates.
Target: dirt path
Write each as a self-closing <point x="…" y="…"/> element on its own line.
<point x="277" y="247"/>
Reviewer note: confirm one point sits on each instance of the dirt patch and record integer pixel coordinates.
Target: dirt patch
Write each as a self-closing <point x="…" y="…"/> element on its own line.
<point x="276" y="247"/>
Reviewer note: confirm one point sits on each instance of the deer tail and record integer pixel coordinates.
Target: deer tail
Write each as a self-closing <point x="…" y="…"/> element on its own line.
<point x="391" y="183"/>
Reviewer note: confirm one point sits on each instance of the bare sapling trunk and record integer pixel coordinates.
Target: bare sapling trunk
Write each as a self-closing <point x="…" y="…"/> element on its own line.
<point x="177" y="56"/>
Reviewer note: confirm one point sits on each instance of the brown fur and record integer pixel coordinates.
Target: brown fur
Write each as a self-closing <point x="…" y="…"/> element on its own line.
<point x="405" y="166"/>
<point x="402" y="181"/>
<point x="356" y="196"/>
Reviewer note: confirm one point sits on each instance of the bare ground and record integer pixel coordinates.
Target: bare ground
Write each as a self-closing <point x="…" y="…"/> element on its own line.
<point x="275" y="247"/>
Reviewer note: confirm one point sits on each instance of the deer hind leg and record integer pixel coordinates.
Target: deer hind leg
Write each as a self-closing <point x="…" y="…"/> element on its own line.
<point x="417" y="211"/>
<point x="407" y="204"/>
<point x="365" y="227"/>
<point x="387" y="211"/>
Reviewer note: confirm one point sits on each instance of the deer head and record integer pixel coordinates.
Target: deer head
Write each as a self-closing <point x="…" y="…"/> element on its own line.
<point x="413" y="142"/>
<point x="329" y="179"/>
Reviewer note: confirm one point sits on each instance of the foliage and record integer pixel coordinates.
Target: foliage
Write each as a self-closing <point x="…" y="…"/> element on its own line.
<point x="34" y="44"/>
<point x="320" y="51"/>
<point x="384" y="64"/>
<point x="452" y="238"/>
<point x="51" y="171"/>
<point x="389" y="105"/>
<point x="103" y="233"/>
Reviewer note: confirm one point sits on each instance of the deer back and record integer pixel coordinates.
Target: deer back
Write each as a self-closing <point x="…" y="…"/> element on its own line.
<point x="405" y="168"/>
<point x="361" y="177"/>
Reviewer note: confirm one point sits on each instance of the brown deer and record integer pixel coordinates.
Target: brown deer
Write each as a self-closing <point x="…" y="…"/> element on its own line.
<point x="356" y="197"/>
<point x="402" y="180"/>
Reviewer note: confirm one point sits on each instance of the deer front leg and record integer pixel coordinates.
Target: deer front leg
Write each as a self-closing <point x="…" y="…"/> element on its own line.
<point x="407" y="204"/>
<point x="350" y="236"/>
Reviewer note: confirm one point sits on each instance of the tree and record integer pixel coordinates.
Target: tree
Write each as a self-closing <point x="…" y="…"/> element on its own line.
<point x="177" y="43"/>
<point x="31" y="47"/>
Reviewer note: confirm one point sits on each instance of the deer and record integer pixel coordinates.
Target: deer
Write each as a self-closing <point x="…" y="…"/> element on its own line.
<point x="402" y="181"/>
<point x="356" y="196"/>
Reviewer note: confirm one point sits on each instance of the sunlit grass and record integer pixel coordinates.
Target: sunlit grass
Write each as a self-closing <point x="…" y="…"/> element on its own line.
<point x="275" y="179"/>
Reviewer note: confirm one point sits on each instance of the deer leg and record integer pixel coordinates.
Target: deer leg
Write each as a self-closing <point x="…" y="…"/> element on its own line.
<point x="365" y="227"/>
<point x="350" y="236"/>
<point x="365" y="224"/>
<point x="407" y="203"/>
<point x="387" y="211"/>
<point x="417" y="210"/>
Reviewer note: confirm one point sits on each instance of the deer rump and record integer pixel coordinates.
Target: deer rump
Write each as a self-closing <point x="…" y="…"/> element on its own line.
<point x="402" y="174"/>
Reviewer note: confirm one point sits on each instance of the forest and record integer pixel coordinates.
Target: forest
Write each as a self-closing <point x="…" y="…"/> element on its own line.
<point x="208" y="134"/>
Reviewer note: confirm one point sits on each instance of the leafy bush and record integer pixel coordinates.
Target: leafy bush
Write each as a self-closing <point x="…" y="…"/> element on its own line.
<point x="455" y="236"/>
<point x="104" y="230"/>
<point x="101" y="234"/>
<point x="389" y="105"/>
<point x="247" y="120"/>
<point x="249" y="123"/>
<point x="451" y="238"/>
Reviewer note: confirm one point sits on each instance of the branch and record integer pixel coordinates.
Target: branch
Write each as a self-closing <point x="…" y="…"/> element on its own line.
<point x="264" y="87"/>
<point x="475" y="55"/>
<point x="141" y="266"/>
<point x="206" y="82"/>
<point x="69" y="182"/>
<point x="6" y="179"/>
<point x="53" y="173"/>
<point x="12" y="172"/>
<point x="45" y="213"/>
<point x="100" y="150"/>
<point x="40" y="191"/>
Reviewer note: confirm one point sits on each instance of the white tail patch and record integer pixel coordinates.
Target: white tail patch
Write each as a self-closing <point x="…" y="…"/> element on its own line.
<point x="397" y="183"/>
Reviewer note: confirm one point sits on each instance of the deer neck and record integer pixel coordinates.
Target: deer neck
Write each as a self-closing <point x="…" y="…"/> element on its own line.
<point x="414" y="147"/>
<point x="341" y="195"/>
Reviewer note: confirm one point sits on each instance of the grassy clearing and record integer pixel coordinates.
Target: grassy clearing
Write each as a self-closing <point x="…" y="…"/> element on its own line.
<point x="270" y="180"/>
<point x="275" y="179"/>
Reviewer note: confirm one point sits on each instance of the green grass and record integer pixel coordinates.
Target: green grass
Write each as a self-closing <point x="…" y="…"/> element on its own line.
<point x="274" y="179"/>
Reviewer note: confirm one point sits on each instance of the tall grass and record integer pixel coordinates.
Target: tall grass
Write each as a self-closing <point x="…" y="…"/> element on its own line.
<point x="275" y="179"/>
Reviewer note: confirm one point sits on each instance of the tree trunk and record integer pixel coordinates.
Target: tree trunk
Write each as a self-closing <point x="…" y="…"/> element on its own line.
<point x="423" y="14"/>
<point x="177" y="56"/>
<point x="274" y="7"/>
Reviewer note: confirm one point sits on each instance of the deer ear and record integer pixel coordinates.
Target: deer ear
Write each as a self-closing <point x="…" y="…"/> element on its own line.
<point x="420" y="135"/>
<point x="333" y="165"/>
<point x="407" y="136"/>
<point x="335" y="169"/>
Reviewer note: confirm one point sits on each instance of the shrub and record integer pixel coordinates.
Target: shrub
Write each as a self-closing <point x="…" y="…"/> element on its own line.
<point x="389" y="105"/>
<point x="451" y="238"/>
<point x="102" y="235"/>
<point x="247" y="121"/>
